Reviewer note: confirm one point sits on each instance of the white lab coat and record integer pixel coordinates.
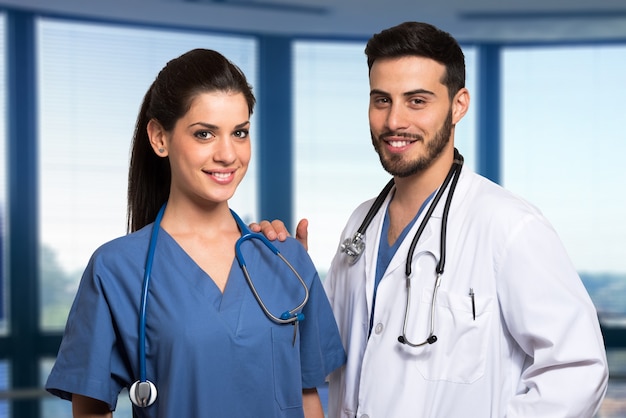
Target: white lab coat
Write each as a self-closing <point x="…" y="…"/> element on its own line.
<point x="534" y="350"/>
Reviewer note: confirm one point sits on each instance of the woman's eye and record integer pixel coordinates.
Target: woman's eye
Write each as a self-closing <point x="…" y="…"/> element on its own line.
<point x="241" y="133"/>
<point x="203" y="135"/>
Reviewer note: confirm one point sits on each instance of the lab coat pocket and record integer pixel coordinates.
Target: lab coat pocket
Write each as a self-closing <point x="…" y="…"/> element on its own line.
<point x="287" y="370"/>
<point x="459" y="354"/>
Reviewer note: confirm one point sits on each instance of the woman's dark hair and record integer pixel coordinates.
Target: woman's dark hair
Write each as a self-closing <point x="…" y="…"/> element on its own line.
<point x="168" y="99"/>
<point x="422" y="40"/>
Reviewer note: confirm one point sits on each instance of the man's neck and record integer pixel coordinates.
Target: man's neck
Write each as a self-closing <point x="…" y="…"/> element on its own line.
<point x="412" y="191"/>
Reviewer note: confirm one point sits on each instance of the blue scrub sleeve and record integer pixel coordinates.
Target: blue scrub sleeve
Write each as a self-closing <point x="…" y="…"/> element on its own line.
<point x="87" y="357"/>
<point x="321" y="350"/>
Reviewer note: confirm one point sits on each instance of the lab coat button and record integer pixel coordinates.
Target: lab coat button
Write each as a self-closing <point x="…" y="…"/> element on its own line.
<point x="365" y="415"/>
<point x="377" y="330"/>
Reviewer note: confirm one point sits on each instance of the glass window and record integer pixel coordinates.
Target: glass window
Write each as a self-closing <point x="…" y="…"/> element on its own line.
<point x="92" y="79"/>
<point x="562" y="150"/>
<point x="336" y="167"/>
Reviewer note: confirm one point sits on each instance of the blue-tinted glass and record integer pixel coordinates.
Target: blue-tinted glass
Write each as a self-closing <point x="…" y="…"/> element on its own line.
<point x="563" y="146"/>
<point x="336" y="166"/>
<point x="563" y="150"/>
<point x="92" y="79"/>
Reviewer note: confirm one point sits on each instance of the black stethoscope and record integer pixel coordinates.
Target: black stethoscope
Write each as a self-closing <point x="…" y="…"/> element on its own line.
<point x="143" y="392"/>
<point x="354" y="247"/>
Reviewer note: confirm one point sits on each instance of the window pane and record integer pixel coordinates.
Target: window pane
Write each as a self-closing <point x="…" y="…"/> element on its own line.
<point x="92" y="80"/>
<point x="336" y="166"/>
<point x="562" y="150"/>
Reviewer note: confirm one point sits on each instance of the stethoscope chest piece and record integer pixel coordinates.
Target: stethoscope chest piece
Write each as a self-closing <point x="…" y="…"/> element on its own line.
<point x="142" y="394"/>
<point x="353" y="247"/>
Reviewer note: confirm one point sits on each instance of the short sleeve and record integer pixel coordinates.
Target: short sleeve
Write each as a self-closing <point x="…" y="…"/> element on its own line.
<point x="88" y="361"/>
<point x="321" y="350"/>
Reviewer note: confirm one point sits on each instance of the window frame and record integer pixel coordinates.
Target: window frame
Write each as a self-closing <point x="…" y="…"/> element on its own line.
<point x="25" y="345"/>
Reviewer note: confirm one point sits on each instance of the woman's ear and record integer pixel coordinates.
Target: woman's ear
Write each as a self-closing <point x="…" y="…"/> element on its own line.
<point x="158" y="138"/>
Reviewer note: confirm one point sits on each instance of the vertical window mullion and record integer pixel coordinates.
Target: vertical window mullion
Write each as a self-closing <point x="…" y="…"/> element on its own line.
<point x="22" y="198"/>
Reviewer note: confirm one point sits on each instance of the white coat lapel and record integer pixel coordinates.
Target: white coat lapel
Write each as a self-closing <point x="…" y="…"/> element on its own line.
<point x="372" y="241"/>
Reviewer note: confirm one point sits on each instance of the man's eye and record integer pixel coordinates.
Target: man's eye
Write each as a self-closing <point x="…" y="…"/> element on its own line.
<point x="381" y="101"/>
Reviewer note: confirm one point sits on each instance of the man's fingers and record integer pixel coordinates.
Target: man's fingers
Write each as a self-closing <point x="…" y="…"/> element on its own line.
<point x="302" y="233"/>
<point x="272" y="230"/>
<point x="279" y="228"/>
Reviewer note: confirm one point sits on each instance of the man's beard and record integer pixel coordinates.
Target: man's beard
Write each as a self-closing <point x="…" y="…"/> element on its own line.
<point x="394" y="163"/>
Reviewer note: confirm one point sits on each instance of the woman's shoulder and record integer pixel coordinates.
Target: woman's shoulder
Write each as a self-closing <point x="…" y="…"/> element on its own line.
<point x="129" y="246"/>
<point x="290" y="246"/>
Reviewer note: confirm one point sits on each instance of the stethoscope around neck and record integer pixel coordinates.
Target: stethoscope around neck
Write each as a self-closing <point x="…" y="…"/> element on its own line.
<point x="354" y="247"/>
<point x="143" y="392"/>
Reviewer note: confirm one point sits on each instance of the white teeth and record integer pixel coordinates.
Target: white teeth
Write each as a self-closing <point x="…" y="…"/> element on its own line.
<point x="221" y="175"/>
<point x="398" y="144"/>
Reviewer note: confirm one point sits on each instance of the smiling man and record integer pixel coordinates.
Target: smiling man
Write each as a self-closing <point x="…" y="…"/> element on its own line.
<point x="479" y="322"/>
<point x="456" y="299"/>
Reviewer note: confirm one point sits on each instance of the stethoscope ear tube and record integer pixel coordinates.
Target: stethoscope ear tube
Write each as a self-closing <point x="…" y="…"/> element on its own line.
<point x="432" y="338"/>
<point x="453" y="177"/>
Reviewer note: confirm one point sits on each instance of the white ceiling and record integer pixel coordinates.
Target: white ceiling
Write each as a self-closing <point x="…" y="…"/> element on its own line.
<point x="467" y="20"/>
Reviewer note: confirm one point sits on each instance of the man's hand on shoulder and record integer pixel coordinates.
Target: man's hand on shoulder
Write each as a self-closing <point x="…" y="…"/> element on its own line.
<point x="277" y="230"/>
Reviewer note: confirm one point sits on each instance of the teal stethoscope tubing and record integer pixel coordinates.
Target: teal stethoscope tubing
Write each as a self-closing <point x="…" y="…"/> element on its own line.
<point x="143" y="392"/>
<point x="286" y="317"/>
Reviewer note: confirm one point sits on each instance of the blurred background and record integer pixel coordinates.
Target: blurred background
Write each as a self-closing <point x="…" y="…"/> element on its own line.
<point x="546" y="121"/>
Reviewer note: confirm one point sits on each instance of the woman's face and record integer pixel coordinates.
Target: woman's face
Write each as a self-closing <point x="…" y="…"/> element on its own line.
<point x="209" y="147"/>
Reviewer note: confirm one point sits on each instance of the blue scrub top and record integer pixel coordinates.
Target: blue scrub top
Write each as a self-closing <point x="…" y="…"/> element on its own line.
<point x="209" y="354"/>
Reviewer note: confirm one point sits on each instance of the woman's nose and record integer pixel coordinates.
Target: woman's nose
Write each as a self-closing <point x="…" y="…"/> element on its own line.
<point x="224" y="151"/>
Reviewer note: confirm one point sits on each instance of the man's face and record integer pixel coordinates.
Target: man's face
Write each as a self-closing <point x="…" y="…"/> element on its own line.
<point x="410" y="113"/>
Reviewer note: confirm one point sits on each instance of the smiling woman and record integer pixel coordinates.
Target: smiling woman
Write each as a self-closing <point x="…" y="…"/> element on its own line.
<point x="190" y="151"/>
